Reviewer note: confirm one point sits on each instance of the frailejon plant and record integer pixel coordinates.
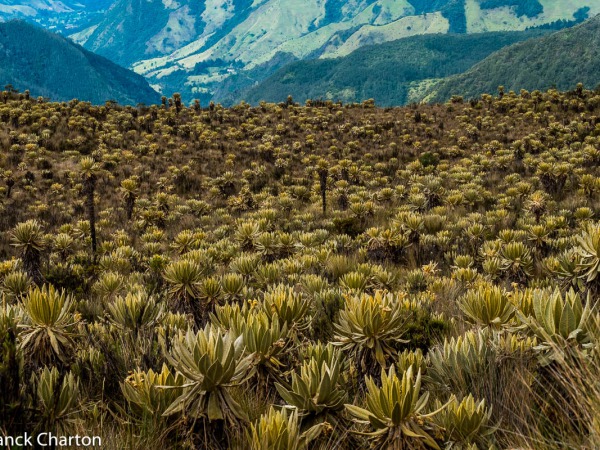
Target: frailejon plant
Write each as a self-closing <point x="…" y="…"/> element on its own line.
<point x="183" y="278"/>
<point x="463" y="365"/>
<point x="136" y="312"/>
<point x="558" y="321"/>
<point x="396" y="412"/>
<point x="280" y="430"/>
<point x="57" y="398"/>
<point x="16" y="284"/>
<point x="409" y="358"/>
<point x="267" y="340"/>
<point x="29" y="238"/>
<point x="49" y="330"/>
<point x="588" y="249"/>
<point x="148" y="395"/>
<point x="212" y="361"/>
<point x="516" y="261"/>
<point x="466" y="422"/>
<point x="290" y="306"/>
<point x="233" y="285"/>
<point x="11" y="367"/>
<point x="370" y="328"/>
<point x="89" y="173"/>
<point x="487" y="306"/>
<point x="316" y="390"/>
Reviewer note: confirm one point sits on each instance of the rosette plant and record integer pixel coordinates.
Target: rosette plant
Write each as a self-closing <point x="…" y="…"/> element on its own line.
<point x="396" y="412"/>
<point x="212" y="361"/>
<point x="370" y="328"/>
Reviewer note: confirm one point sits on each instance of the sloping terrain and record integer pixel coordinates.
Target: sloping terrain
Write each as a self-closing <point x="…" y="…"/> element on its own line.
<point x="52" y="66"/>
<point x="259" y="35"/>
<point x="559" y="60"/>
<point x="68" y="17"/>
<point x="392" y="73"/>
<point x="332" y="277"/>
<point x="213" y="49"/>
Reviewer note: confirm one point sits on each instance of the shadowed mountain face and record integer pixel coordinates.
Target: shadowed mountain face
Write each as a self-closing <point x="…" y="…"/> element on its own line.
<point x="560" y="60"/>
<point x="51" y="66"/>
<point x="215" y="49"/>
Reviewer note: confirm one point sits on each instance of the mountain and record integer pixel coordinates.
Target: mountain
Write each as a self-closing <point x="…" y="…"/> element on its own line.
<point x="214" y="49"/>
<point x="559" y="60"/>
<point x="239" y="42"/>
<point x="65" y="16"/>
<point x="394" y="73"/>
<point x="52" y="66"/>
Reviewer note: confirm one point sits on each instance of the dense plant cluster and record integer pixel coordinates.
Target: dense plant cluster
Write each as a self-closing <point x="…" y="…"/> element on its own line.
<point x="287" y="277"/>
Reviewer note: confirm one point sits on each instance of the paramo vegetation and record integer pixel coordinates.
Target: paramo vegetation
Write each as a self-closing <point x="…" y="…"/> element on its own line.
<point x="291" y="277"/>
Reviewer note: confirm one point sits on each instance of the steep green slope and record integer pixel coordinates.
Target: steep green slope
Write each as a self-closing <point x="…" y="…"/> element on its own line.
<point x="52" y="66"/>
<point x="393" y="73"/>
<point x="560" y="60"/>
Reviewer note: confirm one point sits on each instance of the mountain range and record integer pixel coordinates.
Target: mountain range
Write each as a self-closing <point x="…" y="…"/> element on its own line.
<point x="393" y="73"/>
<point x="435" y="67"/>
<point x="218" y="49"/>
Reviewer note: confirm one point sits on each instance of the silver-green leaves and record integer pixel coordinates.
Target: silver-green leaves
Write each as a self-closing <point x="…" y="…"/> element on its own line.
<point x="212" y="361"/>
<point x="396" y="411"/>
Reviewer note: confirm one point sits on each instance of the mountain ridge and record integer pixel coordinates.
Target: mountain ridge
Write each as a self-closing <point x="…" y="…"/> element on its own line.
<point x="50" y="65"/>
<point x="559" y="60"/>
<point x="389" y="72"/>
<point x="165" y="40"/>
<point x="215" y="50"/>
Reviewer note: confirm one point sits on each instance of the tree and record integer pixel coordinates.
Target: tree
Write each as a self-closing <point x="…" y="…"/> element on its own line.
<point x="89" y="170"/>
<point x="29" y="238"/>
<point x="177" y="102"/>
<point x="129" y="189"/>
<point x="323" y="171"/>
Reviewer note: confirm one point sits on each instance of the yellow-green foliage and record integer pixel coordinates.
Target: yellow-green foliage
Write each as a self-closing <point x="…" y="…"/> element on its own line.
<point x="395" y="411"/>
<point x="149" y="394"/>
<point x="487" y="306"/>
<point x="467" y="421"/>
<point x="280" y="430"/>
<point x="230" y="277"/>
<point x="371" y="325"/>
<point x="50" y="329"/>
<point x="212" y="362"/>
<point x="57" y="399"/>
<point x="317" y="388"/>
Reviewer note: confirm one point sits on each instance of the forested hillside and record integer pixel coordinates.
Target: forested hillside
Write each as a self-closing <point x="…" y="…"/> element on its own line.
<point x="213" y="50"/>
<point x="51" y="66"/>
<point x="560" y="60"/>
<point x="394" y="73"/>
